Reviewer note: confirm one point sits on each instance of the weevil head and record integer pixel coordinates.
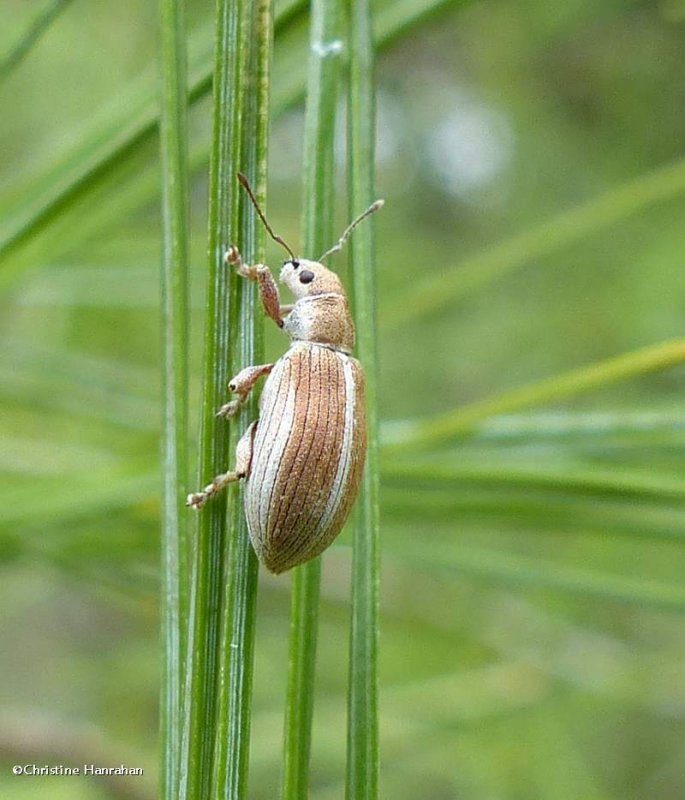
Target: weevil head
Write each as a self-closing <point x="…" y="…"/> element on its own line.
<point x="321" y="314"/>
<point x="307" y="278"/>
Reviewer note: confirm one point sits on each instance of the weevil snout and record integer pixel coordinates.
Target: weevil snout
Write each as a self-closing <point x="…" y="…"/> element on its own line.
<point x="305" y="278"/>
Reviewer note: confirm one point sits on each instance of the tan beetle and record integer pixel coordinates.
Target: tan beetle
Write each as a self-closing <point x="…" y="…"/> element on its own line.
<point x="303" y="458"/>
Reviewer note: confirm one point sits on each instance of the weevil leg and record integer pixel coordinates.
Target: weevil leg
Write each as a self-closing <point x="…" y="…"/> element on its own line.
<point x="242" y="384"/>
<point x="261" y="274"/>
<point x="243" y="460"/>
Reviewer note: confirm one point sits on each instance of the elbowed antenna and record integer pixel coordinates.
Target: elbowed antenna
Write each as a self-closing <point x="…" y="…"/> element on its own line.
<point x="338" y="246"/>
<point x="246" y="185"/>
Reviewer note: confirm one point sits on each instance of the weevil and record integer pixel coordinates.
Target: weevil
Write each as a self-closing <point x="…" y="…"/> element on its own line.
<point x="302" y="459"/>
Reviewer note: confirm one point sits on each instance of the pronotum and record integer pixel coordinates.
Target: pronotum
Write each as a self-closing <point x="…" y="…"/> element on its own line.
<point x="302" y="459"/>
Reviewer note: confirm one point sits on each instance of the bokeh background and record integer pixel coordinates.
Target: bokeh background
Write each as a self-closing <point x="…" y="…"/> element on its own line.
<point x="532" y="156"/>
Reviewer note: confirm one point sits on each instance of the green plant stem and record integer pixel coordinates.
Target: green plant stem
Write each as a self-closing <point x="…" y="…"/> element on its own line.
<point x="362" y="728"/>
<point x="319" y="173"/>
<point x="443" y="428"/>
<point x="304" y="623"/>
<point x="232" y="743"/>
<point x="209" y="556"/>
<point x="175" y="218"/>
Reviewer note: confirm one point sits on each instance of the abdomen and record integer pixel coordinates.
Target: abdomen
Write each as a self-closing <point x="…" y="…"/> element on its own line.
<point x="308" y="455"/>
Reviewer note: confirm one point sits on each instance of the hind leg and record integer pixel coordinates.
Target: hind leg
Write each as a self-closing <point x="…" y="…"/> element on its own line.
<point x="243" y="460"/>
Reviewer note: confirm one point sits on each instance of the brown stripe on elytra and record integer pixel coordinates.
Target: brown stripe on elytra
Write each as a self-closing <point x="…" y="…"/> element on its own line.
<point x="298" y="503"/>
<point x="286" y="475"/>
<point x="312" y="502"/>
<point x="332" y="436"/>
<point x="288" y="469"/>
<point x="354" y="459"/>
<point x="274" y="398"/>
<point x="342" y="477"/>
<point x="281" y="434"/>
<point x="339" y="435"/>
<point x="321" y="533"/>
<point x="348" y="491"/>
<point x="273" y="455"/>
<point x="297" y="498"/>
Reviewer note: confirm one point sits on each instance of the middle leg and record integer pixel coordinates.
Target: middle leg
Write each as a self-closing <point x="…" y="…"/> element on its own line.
<point x="242" y="385"/>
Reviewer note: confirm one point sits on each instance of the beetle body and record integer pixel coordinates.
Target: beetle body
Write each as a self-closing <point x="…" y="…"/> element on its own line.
<point x="308" y="454"/>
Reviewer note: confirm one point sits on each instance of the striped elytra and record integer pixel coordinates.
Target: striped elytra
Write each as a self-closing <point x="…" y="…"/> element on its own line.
<point x="307" y="454"/>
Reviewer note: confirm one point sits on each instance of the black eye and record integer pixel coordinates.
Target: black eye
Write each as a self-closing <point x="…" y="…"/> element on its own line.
<point x="306" y="276"/>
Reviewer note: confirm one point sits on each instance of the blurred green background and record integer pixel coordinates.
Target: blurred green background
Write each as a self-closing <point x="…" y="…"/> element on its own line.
<point x="531" y="157"/>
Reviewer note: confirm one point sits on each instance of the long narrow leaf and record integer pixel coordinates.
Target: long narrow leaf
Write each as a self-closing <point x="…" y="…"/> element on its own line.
<point x="173" y="138"/>
<point x="209" y="556"/>
<point x="232" y="742"/>
<point x="362" y="730"/>
<point x="461" y="421"/>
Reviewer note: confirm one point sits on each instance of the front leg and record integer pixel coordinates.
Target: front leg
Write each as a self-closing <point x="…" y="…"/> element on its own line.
<point x="243" y="461"/>
<point x="268" y="290"/>
<point x="242" y="385"/>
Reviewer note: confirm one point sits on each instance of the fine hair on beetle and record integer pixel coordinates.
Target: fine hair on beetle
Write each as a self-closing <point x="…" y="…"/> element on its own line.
<point x="302" y="457"/>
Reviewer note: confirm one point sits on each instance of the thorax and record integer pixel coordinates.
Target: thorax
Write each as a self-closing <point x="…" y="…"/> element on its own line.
<point x="322" y="319"/>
